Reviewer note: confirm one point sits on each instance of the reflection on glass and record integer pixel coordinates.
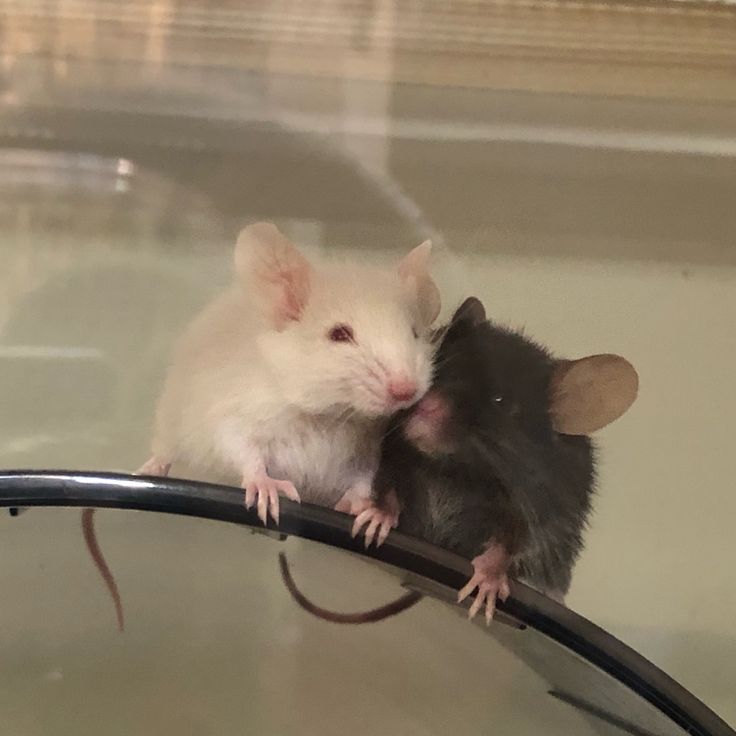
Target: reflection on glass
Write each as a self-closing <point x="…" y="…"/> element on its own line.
<point x="214" y="644"/>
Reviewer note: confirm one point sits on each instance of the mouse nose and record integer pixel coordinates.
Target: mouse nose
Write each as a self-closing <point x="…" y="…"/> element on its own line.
<point x="402" y="389"/>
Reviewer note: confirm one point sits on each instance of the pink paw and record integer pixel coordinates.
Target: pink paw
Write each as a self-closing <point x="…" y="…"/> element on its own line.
<point x="264" y="492"/>
<point x="154" y="466"/>
<point x="490" y="580"/>
<point x="353" y="502"/>
<point x="378" y="520"/>
<point x="489" y="588"/>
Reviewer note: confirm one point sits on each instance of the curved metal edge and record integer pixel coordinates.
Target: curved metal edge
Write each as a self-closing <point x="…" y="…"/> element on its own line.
<point x="19" y="488"/>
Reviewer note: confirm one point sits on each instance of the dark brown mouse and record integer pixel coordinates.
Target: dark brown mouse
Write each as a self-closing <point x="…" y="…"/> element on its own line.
<point x="495" y="462"/>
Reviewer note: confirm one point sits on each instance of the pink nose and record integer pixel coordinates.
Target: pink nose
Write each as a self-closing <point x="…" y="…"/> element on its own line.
<point x="402" y="389"/>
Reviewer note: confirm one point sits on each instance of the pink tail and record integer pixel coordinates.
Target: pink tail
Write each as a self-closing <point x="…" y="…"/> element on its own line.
<point x="88" y="527"/>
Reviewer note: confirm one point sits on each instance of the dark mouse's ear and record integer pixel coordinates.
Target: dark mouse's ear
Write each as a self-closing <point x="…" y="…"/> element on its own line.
<point x="590" y="393"/>
<point x="471" y="310"/>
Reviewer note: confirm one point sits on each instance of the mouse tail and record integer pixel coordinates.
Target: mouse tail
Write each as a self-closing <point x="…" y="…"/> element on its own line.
<point x="90" y="538"/>
<point x="364" y="617"/>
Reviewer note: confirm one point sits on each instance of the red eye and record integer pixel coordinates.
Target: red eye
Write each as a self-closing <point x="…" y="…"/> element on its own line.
<point x="341" y="333"/>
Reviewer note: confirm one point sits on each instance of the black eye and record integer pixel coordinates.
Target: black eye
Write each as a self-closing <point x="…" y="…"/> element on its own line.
<point x="341" y="333"/>
<point x="498" y="399"/>
<point x="415" y="332"/>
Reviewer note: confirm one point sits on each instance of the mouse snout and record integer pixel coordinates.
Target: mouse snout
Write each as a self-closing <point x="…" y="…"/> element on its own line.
<point x="402" y="388"/>
<point x="426" y="425"/>
<point x="432" y="407"/>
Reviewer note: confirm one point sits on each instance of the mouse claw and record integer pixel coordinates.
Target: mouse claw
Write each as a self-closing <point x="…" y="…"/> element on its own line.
<point x="379" y="521"/>
<point x="384" y="532"/>
<point x="264" y="494"/>
<point x="488" y="591"/>
<point x="263" y="506"/>
<point x="250" y="495"/>
<point x="490" y="580"/>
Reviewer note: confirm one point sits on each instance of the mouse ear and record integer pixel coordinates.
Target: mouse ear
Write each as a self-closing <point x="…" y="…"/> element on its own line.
<point x="471" y="310"/>
<point x="277" y="275"/>
<point x="414" y="272"/>
<point x="590" y="393"/>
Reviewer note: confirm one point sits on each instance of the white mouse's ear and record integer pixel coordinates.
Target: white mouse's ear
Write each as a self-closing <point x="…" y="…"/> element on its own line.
<point x="590" y="393"/>
<point x="414" y="272"/>
<point x="275" y="272"/>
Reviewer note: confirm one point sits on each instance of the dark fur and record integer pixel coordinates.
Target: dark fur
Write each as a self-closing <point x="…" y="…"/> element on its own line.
<point x="510" y="477"/>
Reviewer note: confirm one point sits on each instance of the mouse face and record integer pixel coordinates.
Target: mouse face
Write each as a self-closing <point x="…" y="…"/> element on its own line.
<point x="361" y="345"/>
<point x="340" y="339"/>
<point x="498" y="395"/>
<point x="491" y="387"/>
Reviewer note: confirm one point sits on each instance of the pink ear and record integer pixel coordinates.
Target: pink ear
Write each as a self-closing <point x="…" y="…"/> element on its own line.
<point x="275" y="272"/>
<point x="414" y="272"/>
<point x="589" y="393"/>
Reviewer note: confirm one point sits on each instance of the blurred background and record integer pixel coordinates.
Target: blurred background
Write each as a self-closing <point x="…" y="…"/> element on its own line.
<point x="574" y="163"/>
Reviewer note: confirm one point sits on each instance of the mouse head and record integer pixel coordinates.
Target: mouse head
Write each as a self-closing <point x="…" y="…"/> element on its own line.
<point x="495" y="388"/>
<point x="340" y="337"/>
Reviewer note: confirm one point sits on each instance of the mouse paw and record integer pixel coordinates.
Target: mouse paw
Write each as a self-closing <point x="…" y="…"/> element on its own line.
<point x="490" y="579"/>
<point x="379" y="520"/>
<point x="154" y="466"/>
<point x="263" y="492"/>
<point x="355" y="500"/>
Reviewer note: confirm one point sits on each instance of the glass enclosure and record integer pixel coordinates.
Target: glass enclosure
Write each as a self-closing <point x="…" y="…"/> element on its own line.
<point x="214" y="643"/>
<point x="573" y="163"/>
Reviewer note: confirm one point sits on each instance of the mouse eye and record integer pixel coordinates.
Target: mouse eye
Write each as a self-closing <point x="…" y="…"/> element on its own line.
<point x="508" y="407"/>
<point x="341" y="333"/>
<point x="415" y="332"/>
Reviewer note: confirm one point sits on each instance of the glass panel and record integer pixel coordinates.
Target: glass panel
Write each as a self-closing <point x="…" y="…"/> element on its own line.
<point x="572" y="161"/>
<point x="214" y="644"/>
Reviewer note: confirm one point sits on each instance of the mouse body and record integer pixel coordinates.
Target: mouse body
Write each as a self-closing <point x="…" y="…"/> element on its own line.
<point x="286" y="380"/>
<point x="494" y="463"/>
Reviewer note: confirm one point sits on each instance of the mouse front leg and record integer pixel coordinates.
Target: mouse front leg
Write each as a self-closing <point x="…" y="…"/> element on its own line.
<point x="262" y="491"/>
<point x="489" y="578"/>
<point x="381" y="517"/>
<point x="249" y="458"/>
<point x="357" y="498"/>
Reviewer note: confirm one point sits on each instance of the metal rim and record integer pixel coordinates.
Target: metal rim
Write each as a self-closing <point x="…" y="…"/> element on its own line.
<point x="20" y="488"/>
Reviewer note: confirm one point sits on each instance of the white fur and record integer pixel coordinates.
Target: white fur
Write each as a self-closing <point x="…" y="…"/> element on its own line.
<point x="242" y="397"/>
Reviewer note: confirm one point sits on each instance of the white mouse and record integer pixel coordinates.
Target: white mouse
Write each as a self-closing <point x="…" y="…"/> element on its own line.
<point x="285" y="379"/>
